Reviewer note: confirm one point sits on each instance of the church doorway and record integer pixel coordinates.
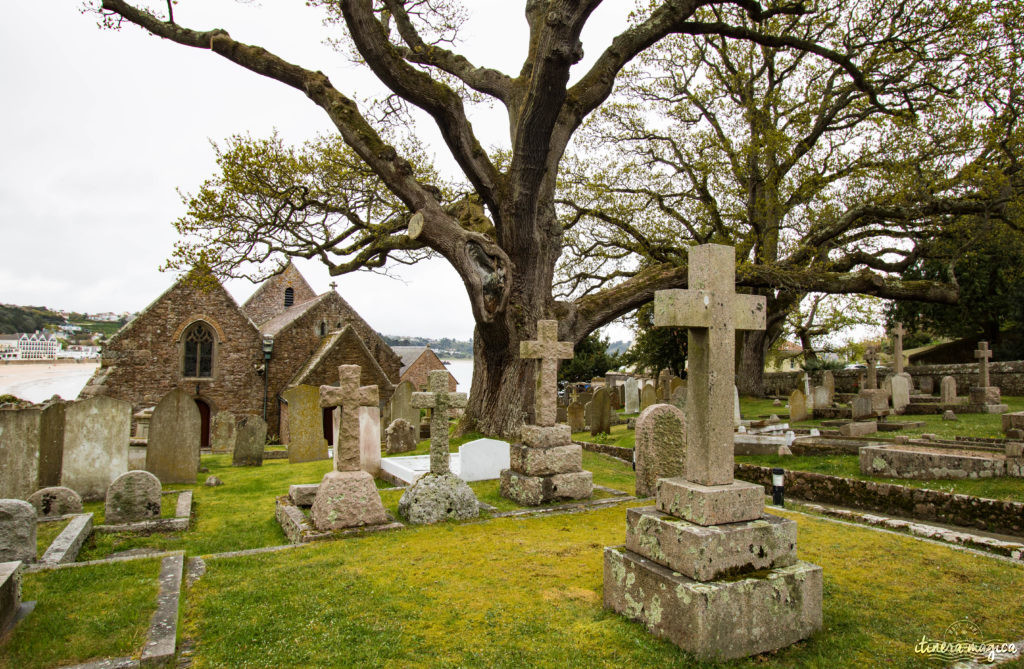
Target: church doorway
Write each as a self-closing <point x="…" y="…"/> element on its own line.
<point x="204" y="423"/>
<point x="329" y="425"/>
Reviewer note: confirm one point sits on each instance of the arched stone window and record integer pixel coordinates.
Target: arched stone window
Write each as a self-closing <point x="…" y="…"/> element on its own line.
<point x="323" y="329"/>
<point x="197" y="360"/>
<point x="289" y="296"/>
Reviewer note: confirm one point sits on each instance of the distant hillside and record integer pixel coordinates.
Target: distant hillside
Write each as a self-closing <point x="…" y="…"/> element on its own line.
<point x="619" y="347"/>
<point x="444" y="347"/>
<point x="26" y="319"/>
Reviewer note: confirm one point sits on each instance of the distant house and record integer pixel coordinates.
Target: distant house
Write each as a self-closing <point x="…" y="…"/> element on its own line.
<point x="9" y="347"/>
<point x="417" y="361"/>
<point x="23" y="346"/>
<point x="786" y="358"/>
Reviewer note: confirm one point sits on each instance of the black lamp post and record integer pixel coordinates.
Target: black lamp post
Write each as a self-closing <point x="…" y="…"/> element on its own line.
<point x="268" y="348"/>
<point x="778" y="485"/>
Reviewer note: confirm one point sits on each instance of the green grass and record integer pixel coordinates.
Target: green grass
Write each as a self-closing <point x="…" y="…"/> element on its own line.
<point x="46" y="533"/>
<point x="527" y="592"/>
<point x="83" y="614"/>
<point x="848" y="466"/>
<point x="619" y="436"/>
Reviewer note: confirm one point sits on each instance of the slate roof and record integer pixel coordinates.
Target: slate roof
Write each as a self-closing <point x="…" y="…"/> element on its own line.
<point x="408" y="354"/>
<point x="289" y="315"/>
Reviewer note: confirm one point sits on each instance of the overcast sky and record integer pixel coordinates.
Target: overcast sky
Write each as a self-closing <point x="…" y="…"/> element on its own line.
<point x="98" y="130"/>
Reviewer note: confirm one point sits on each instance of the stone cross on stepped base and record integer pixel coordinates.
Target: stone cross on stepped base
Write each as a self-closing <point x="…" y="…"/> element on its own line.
<point x="438" y="400"/>
<point x="897" y="347"/>
<point x="548" y="350"/>
<point x="681" y="570"/>
<point x="546" y="465"/>
<point x="345" y="399"/>
<point x="347" y="496"/>
<point x="983" y="354"/>
<point x="985" y="395"/>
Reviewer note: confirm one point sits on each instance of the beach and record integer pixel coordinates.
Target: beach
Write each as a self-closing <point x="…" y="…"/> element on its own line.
<point x="40" y="381"/>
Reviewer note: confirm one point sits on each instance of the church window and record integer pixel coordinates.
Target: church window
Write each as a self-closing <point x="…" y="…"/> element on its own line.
<point x="198" y="361"/>
<point x="323" y="328"/>
<point x="289" y="296"/>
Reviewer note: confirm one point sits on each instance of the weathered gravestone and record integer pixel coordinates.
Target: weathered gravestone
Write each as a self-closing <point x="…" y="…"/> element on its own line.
<point x="577" y="417"/>
<point x="679" y="397"/>
<point x="900" y="389"/>
<point x="132" y="497"/>
<point x="660" y="450"/>
<point x="926" y="385"/>
<point x="614" y="398"/>
<point x="684" y="580"/>
<point x="51" y="443"/>
<point x="401" y="405"/>
<point x="948" y="390"/>
<point x="172" y="453"/>
<point x="797" y="407"/>
<point x="222" y="432"/>
<point x="588" y="414"/>
<point x="546" y="466"/>
<point x="250" y="442"/>
<point x="600" y="413"/>
<point x="648" y="396"/>
<point x="632" y="396"/>
<point x="96" y="435"/>
<point x="862" y="408"/>
<point x="19" y="452"/>
<point x="347" y="496"/>
<point x="17" y="531"/>
<point x="10" y="593"/>
<point x="306" y="440"/>
<point x="828" y="381"/>
<point x="664" y="383"/>
<point x="400" y="436"/>
<point x="369" y="439"/>
<point x="440" y="495"/>
<point x="821" y="398"/>
<point x="562" y="415"/>
<point x="55" y="501"/>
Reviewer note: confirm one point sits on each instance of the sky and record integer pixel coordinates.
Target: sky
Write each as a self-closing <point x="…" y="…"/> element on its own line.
<point x="100" y="130"/>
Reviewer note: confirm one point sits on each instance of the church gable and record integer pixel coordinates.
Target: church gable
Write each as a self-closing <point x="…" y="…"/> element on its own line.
<point x="278" y="294"/>
<point x="343" y="347"/>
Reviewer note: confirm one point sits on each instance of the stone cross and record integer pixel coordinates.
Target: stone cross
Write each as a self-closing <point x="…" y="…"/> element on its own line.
<point x="897" y="346"/>
<point x="712" y="311"/>
<point x="333" y="285"/>
<point x="438" y="400"/>
<point x="347" y="396"/>
<point x="548" y="350"/>
<point x="983" y="354"/>
<point x="871" y="357"/>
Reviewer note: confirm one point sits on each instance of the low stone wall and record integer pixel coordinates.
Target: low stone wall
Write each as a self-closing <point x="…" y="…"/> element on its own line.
<point x="1008" y="376"/>
<point x="921" y="504"/>
<point x="607" y="449"/>
<point x="911" y="463"/>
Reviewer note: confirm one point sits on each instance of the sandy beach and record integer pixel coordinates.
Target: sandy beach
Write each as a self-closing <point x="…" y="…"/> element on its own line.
<point x="41" y="381"/>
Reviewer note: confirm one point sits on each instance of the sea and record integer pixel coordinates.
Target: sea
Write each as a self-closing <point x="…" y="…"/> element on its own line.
<point x="462" y="370"/>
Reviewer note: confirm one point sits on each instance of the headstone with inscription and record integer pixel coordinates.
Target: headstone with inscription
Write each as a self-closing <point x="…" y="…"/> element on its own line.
<point x="600" y="413"/>
<point x="96" y="435"/>
<point x="222" y="432"/>
<point x="797" y="407"/>
<point x="172" y="453"/>
<point x="660" y="450"/>
<point x="306" y="441"/>
<point x="250" y="442"/>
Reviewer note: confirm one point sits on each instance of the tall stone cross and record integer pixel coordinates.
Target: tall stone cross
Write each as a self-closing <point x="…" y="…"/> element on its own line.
<point x="712" y="311"/>
<point x="871" y="357"/>
<point x="983" y="354"/>
<point x="438" y="400"/>
<point x="549" y="351"/>
<point x="347" y="397"/>
<point x="333" y="285"/>
<point x="897" y="346"/>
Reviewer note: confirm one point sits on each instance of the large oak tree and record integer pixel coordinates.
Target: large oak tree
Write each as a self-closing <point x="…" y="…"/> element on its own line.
<point x="508" y="260"/>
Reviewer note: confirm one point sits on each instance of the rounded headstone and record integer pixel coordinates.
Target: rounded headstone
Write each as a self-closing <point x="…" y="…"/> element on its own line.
<point x="660" y="449"/>
<point x="17" y="531"/>
<point x="132" y="497"/>
<point x="400" y="436"/>
<point x="437" y="497"/>
<point x="55" y="501"/>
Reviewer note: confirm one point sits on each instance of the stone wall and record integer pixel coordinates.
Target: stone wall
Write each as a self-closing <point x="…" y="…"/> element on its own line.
<point x="268" y="300"/>
<point x="1008" y="376"/>
<point x="917" y="503"/>
<point x="422" y="366"/>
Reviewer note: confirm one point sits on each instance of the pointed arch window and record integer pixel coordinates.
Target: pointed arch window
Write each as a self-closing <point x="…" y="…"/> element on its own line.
<point x="198" y="354"/>
<point x="289" y="296"/>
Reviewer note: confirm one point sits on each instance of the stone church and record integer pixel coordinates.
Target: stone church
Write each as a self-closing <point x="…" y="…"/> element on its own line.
<point x="196" y="337"/>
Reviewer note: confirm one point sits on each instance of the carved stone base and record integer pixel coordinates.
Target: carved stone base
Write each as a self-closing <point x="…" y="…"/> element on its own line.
<point x="709" y="504"/>
<point x="716" y="620"/>
<point x="347" y="499"/>
<point x="535" y="490"/>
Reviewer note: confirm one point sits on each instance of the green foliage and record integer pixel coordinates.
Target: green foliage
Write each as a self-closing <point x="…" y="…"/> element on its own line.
<point x="15" y="319"/>
<point x="821" y="365"/>
<point x="590" y="358"/>
<point x="655" y="349"/>
<point x="987" y="259"/>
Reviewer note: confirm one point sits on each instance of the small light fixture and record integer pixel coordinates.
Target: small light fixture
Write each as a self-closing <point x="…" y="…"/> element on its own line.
<point x="268" y="346"/>
<point x="778" y="485"/>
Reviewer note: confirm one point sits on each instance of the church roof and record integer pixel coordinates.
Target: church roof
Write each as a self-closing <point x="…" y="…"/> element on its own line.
<point x="409" y="355"/>
<point x="289" y="315"/>
<point x="346" y="337"/>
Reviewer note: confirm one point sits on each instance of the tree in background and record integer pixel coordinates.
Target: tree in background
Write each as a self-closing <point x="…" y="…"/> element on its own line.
<point x="986" y="260"/>
<point x="590" y="358"/>
<point x="655" y="349"/>
<point x="505" y="228"/>
<point x="820" y="318"/>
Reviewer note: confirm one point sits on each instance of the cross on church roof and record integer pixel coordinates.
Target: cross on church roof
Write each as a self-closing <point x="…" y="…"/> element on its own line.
<point x="438" y="399"/>
<point x="713" y="311"/>
<point x="347" y="396"/>
<point x="548" y="350"/>
<point x="333" y="285"/>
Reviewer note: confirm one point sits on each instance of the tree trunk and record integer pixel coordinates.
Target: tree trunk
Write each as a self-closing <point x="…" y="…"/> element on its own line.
<point x="750" y="367"/>
<point x="502" y="392"/>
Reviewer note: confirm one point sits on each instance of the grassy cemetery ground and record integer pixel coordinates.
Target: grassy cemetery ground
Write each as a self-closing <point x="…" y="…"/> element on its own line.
<point x="496" y="592"/>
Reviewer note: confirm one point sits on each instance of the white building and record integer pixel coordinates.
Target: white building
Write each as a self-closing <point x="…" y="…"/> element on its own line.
<point x="9" y="347"/>
<point x="38" y="346"/>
